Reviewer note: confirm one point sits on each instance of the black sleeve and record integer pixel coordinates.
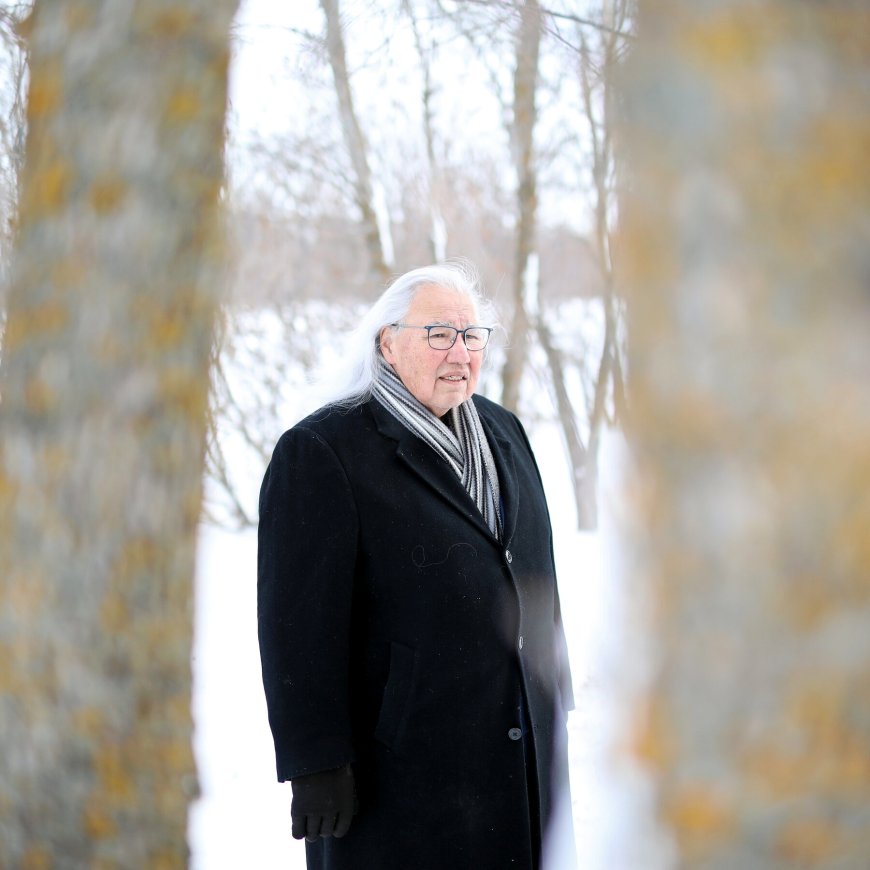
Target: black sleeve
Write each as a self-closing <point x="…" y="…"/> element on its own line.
<point x="305" y="571"/>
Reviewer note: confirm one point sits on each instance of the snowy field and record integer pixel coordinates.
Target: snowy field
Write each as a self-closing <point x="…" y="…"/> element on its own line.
<point x="242" y="818"/>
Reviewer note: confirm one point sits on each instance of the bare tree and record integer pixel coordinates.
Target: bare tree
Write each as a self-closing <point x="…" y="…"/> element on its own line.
<point x="438" y="227"/>
<point x="596" y="68"/>
<point x="364" y="194"/>
<point x="522" y="129"/>
<point x="104" y="383"/>
<point x="468" y="193"/>
<point x="581" y="421"/>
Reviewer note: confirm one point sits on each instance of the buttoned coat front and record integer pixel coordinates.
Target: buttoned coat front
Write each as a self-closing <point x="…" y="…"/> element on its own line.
<point x="397" y="633"/>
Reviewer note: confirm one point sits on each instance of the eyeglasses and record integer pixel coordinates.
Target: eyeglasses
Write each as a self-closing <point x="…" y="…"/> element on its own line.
<point x="444" y="337"/>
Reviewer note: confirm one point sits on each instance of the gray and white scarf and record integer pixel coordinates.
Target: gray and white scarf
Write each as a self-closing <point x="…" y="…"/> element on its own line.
<point x="464" y="447"/>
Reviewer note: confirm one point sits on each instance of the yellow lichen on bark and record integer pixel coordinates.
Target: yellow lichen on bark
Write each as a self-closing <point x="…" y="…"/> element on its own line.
<point x="105" y="380"/>
<point x="730" y="36"/>
<point x="115" y="767"/>
<point x="139" y="555"/>
<point x="744" y="245"/>
<point x="164" y="860"/>
<point x="650" y="737"/>
<point x="701" y="817"/>
<point x="773" y="772"/>
<point x="45" y="319"/>
<point x="40" y="397"/>
<point x="837" y="755"/>
<point x="184" y="104"/>
<point x="79" y="15"/>
<point x="69" y="271"/>
<point x="168" y="20"/>
<point x="37" y="858"/>
<point x="97" y="823"/>
<point x="184" y="392"/>
<point x="115" y="614"/>
<point x="167" y="328"/>
<point x="46" y="92"/>
<point x="90" y="720"/>
<point x="807" y="603"/>
<point x="49" y="188"/>
<point x="107" y="194"/>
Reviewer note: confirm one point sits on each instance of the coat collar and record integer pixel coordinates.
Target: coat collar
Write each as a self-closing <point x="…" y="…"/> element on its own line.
<point x="436" y="473"/>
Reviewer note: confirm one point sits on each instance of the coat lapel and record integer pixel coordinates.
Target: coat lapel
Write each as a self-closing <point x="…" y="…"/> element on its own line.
<point x="428" y="466"/>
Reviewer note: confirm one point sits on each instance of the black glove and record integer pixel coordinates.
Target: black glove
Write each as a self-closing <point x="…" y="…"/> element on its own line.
<point x="323" y="803"/>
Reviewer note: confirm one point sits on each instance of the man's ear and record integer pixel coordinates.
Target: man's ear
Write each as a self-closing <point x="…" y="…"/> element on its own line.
<point x="385" y="341"/>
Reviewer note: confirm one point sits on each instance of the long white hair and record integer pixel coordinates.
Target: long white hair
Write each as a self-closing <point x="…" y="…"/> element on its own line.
<point x="348" y="382"/>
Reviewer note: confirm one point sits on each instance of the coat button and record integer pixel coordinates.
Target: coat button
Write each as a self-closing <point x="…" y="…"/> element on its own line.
<point x="520" y="642"/>
<point x="509" y="556"/>
<point x="515" y="734"/>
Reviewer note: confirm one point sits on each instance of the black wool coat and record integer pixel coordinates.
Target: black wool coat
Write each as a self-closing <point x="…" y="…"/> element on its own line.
<point x="399" y="634"/>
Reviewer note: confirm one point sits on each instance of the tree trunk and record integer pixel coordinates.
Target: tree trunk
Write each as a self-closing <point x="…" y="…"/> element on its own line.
<point x="356" y="147"/>
<point x="746" y="270"/>
<point x="438" y="226"/>
<point x="609" y="372"/>
<point x="104" y="385"/>
<point x="522" y="141"/>
<point x="581" y="463"/>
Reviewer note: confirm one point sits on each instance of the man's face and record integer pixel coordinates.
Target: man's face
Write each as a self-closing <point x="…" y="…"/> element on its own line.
<point x="438" y="379"/>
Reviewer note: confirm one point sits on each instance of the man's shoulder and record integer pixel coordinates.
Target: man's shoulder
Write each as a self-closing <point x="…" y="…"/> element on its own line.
<point x="332" y="423"/>
<point x="334" y="417"/>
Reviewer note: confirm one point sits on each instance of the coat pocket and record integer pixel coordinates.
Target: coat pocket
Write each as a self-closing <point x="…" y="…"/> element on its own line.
<point x="397" y="694"/>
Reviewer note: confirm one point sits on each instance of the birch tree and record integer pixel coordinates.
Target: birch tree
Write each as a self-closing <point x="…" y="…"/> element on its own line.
<point x="104" y="382"/>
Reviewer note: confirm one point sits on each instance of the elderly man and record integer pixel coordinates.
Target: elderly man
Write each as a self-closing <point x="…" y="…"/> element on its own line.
<point x="410" y="634"/>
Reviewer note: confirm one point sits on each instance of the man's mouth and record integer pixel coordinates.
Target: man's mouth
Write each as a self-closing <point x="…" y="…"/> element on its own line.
<point x="453" y="378"/>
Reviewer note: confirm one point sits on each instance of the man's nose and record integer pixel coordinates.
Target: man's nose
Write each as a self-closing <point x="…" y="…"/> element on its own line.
<point x="459" y="352"/>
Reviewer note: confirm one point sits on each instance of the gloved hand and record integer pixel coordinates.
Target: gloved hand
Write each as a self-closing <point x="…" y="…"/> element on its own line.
<point x="323" y="803"/>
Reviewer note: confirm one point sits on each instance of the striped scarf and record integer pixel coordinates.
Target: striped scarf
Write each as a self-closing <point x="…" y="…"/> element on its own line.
<point x="464" y="447"/>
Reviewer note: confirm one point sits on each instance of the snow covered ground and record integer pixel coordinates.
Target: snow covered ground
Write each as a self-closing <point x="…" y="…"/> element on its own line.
<point x="242" y="818"/>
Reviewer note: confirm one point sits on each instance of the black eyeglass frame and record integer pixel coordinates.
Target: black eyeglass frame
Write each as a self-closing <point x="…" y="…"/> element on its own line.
<point x="487" y="329"/>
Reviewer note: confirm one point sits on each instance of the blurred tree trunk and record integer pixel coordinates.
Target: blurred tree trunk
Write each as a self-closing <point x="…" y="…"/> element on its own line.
<point x="528" y="45"/>
<point x="746" y="238"/>
<point x="104" y="384"/>
<point x="356" y="146"/>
